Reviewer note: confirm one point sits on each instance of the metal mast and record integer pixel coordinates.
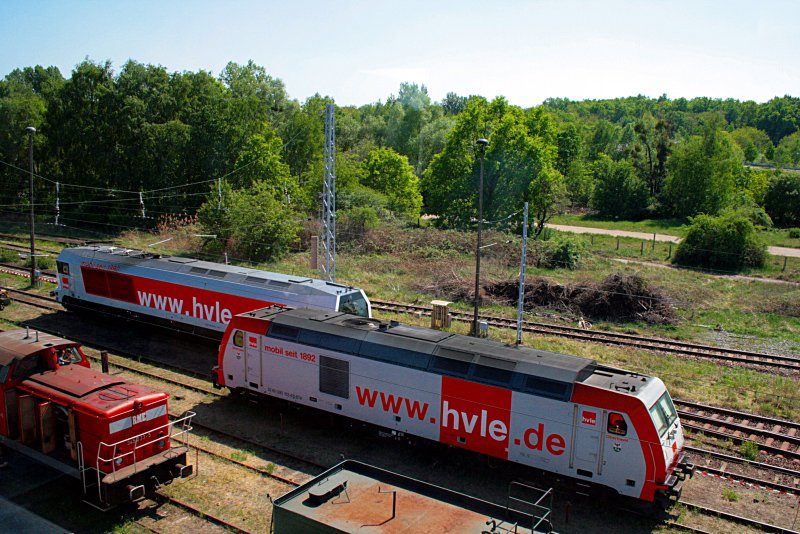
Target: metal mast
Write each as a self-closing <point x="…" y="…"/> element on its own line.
<point x="328" y="241"/>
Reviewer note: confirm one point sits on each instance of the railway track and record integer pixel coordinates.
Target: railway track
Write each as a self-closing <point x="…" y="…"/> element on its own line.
<point x="26" y="249"/>
<point x="46" y="237"/>
<point x="9" y="268"/>
<point x="772" y="435"/>
<point x="783" y="479"/>
<point x="201" y="514"/>
<point x="615" y="338"/>
<point x="765" y="527"/>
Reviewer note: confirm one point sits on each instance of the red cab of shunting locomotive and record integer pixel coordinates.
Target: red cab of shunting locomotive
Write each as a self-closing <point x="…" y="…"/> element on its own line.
<point x="117" y="432"/>
<point x="23" y="353"/>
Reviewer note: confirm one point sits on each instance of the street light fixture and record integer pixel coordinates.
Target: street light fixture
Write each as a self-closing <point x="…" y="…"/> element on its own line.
<point x="482" y="144"/>
<point x="30" y="131"/>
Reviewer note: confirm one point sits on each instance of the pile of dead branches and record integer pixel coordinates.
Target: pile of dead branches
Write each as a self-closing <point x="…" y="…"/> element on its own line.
<point x="620" y="297"/>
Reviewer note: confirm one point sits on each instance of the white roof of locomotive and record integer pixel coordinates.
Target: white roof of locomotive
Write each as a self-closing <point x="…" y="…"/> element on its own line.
<point x="216" y="271"/>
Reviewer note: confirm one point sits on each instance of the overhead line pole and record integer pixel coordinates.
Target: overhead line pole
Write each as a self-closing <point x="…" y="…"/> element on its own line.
<point x="328" y="241"/>
<point x="521" y="296"/>
<point x="30" y="131"/>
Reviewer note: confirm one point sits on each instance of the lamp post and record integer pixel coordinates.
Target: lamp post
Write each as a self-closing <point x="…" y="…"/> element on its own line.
<point x="482" y="143"/>
<point x="30" y="131"/>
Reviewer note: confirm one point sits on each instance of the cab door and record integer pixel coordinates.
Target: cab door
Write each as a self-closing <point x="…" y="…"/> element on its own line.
<point x="585" y="455"/>
<point x="252" y="356"/>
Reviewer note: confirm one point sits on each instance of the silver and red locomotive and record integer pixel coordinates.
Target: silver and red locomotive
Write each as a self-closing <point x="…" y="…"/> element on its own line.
<point x="186" y="293"/>
<point x="563" y="414"/>
<point x="115" y="435"/>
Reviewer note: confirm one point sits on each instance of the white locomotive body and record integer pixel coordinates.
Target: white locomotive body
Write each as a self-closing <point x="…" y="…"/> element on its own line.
<point x="554" y="412"/>
<point x="188" y="293"/>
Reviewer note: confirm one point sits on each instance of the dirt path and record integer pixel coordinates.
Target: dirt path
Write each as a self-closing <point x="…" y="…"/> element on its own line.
<point x="775" y="251"/>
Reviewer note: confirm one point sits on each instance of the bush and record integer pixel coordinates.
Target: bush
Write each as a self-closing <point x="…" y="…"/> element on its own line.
<point x="355" y="222"/>
<point x="565" y="253"/>
<point x="746" y="207"/>
<point x="726" y="242"/>
<point x="361" y="196"/>
<point x="8" y="256"/>
<point x="42" y="262"/>
<point x="794" y="233"/>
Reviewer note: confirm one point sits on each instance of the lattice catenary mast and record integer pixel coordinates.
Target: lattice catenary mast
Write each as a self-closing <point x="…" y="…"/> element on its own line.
<point x="328" y="241"/>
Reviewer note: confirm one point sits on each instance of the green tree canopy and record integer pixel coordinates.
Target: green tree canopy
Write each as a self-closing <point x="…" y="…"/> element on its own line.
<point x="515" y="156"/>
<point x="619" y="193"/>
<point x="788" y="152"/>
<point x="782" y="201"/>
<point x="252" y="224"/>
<point x="389" y="173"/>
<point x="755" y="144"/>
<point x="702" y="173"/>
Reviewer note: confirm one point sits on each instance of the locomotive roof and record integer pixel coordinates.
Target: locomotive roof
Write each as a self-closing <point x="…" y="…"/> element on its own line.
<point x="526" y="360"/>
<point x="97" y="391"/>
<point x="208" y="269"/>
<point x="19" y="344"/>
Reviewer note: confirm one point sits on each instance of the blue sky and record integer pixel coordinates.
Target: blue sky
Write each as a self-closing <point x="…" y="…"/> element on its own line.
<point x="359" y="52"/>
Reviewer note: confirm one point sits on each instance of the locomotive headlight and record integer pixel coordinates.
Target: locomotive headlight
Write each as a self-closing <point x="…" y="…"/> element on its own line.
<point x="161" y="443"/>
<point x="118" y="461"/>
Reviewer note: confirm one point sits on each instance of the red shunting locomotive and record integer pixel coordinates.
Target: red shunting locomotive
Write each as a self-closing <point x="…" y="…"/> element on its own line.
<point x="115" y="435"/>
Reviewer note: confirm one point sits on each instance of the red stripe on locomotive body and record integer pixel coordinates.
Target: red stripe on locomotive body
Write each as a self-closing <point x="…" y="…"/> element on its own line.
<point x="635" y="409"/>
<point x="191" y="304"/>
<point x="478" y="411"/>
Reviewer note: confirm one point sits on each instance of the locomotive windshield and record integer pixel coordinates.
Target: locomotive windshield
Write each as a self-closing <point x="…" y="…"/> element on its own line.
<point x="663" y="413"/>
<point x="354" y="303"/>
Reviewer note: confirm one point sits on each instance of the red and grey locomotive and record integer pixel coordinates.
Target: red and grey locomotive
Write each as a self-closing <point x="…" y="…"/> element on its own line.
<point x="115" y="435"/>
<point x="187" y="293"/>
<point x="562" y="414"/>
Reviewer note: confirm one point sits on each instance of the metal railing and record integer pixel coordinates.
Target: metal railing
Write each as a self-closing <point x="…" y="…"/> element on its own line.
<point x="179" y="428"/>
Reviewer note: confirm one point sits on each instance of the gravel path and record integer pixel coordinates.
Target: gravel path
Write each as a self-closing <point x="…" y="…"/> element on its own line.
<point x="775" y="251"/>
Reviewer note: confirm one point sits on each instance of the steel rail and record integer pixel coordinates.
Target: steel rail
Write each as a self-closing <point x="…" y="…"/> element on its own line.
<point x="735" y="459"/>
<point x="656" y="344"/>
<point x="737" y="519"/>
<point x="722" y="435"/>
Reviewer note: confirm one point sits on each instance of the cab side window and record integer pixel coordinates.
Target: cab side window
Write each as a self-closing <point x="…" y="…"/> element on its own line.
<point x="63" y="267"/>
<point x="238" y="338"/>
<point x="616" y="424"/>
<point x="28" y="366"/>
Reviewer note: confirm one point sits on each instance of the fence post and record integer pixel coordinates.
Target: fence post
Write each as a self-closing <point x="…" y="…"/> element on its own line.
<point x="617" y="242"/>
<point x="314" y="248"/>
<point x="592" y="239"/>
<point x="670" y="250"/>
<point x="654" y="241"/>
<point x="104" y="361"/>
<point x="642" y="253"/>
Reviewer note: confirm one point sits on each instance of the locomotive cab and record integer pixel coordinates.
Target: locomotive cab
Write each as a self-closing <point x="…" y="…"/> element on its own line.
<point x="676" y="461"/>
<point x="116" y="435"/>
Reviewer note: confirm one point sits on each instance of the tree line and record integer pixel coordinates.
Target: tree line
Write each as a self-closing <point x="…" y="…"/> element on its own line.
<point x="129" y="147"/>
